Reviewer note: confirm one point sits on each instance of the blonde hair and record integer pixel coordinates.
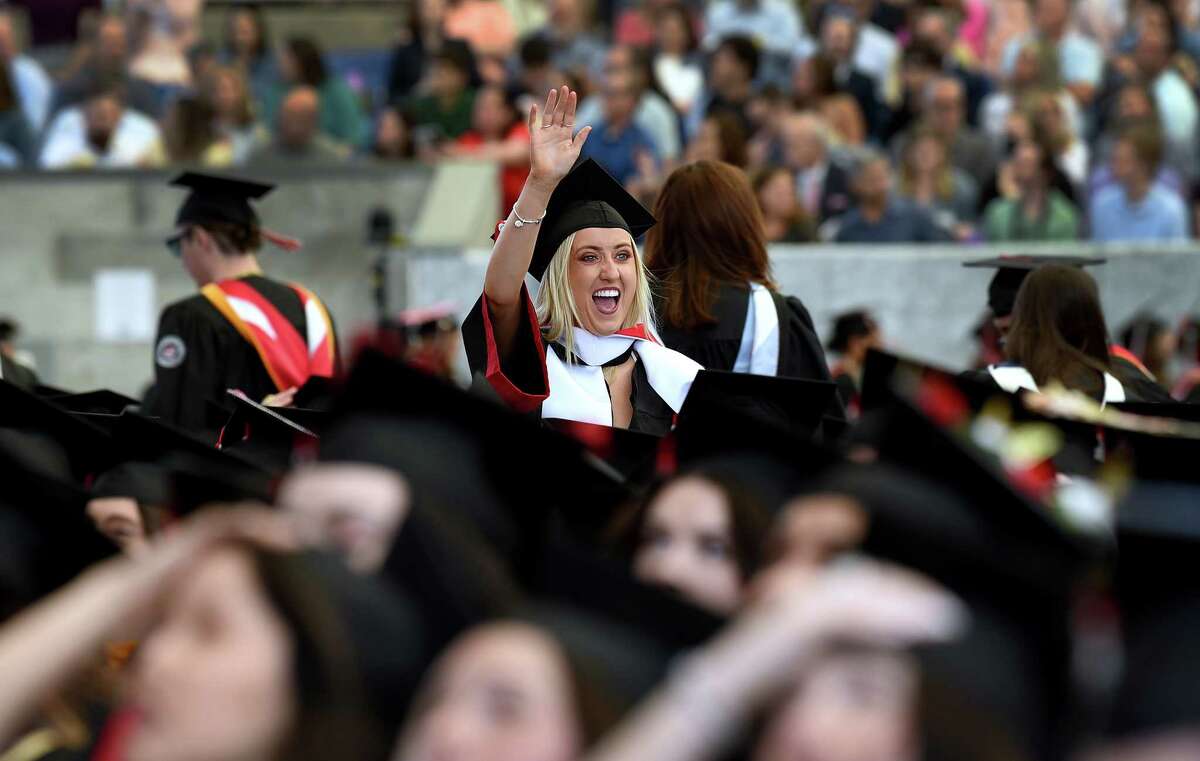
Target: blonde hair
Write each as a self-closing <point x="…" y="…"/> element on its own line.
<point x="557" y="311"/>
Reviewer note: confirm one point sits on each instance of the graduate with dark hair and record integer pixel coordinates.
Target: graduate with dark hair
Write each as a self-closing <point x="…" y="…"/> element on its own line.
<point x="243" y="330"/>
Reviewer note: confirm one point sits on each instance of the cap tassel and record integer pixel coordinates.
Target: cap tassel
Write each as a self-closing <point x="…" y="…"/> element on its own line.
<point x="282" y="241"/>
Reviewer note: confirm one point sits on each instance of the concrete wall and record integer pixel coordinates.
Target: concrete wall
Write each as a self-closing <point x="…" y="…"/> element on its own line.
<point x="56" y="231"/>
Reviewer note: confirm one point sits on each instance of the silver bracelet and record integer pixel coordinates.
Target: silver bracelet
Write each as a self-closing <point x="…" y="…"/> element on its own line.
<point x="520" y="221"/>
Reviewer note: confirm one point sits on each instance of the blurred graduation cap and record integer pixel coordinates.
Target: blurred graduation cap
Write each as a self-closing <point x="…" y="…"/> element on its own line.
<point x="1158" y="591"/>
<point x="87" y="446"/>
<point x="142" y="481"/>
<point x="1011" y="272"/>
<point x="269" y="435"/>
<point x="317" y="393"/>
<point x="46" y="538"/>
<point x="222" y="199"/>
<point x="101" y="402"/>
<point x="633" y="454"/>
<point x="587" y="197"/>
<point x="787" y="406"/>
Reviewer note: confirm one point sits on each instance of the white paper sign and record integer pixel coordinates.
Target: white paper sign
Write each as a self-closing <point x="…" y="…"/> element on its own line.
<point x="125" y="303"/>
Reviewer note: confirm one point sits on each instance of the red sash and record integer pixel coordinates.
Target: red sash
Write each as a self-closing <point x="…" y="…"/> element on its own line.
<point x="290" y="358"/>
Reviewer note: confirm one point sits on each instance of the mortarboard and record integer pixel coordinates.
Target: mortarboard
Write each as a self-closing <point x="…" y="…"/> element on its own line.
<point x="220" y="199"/>
<point x="102" y="402"/>
<point x="789" y="405"/>
<point x="633" y="454"/>
<point x="1011" y="272"/>
<point x="587" y="197"/>
<point x="88" y="447"/>
<point x="142" y="481"/>
<point x="1158" y="541"/>
<point x="265" y="434"/>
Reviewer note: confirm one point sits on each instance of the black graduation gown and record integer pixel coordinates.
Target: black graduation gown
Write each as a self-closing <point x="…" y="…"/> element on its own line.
<point x="1138" y="388"/>
<point x="716" y="346"/>
<point x="199" y="354"/>
<point x="520" y="378"/>
<point x="17" y="374"/>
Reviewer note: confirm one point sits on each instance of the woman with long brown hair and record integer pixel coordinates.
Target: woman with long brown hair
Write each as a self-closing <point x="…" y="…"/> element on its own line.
<point x="717" y="301"/>
<point x="1058" y="336"/>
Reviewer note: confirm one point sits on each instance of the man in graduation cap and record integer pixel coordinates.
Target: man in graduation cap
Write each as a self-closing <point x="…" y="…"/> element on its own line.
<point x="243" y="330"/>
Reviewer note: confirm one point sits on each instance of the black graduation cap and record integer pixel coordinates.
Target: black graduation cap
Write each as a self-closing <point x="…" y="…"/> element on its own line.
<point x="587" y="197"/>
<point x="102" y="402"/>
<point x="1011" y="272"/>
<point x="790" y="406"/>
<point x="46" y="539"/>
<point x="1158" y="591"/>
<point x="220" y="199"/>
<point x="88" y="447"/>
<point x="633" y="454"/>
<point x="143" y="481"/>
<point x="266" y="434"/>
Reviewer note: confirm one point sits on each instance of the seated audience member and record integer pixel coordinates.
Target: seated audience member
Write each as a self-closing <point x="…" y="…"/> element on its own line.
<point x="815" y="89"/>
<point x="444" y="112"/>
<point x="342" y="118"/>
<point x="937" y="26"/>
<point x="616" y="140"/>
<point x="1038" y="211"/>
<point x="247" y="48"/>
<point x="1080" y="59"/>
<point x="233" y="112"/>
<point x="878" y="217"/>
<point x="1137" y="208"/>
<point x="1034" y="71"/>
<point x="822" y="186"/>
<point x="876" y="49"/>
<point x="721" y="138"/>
<point x="653" y="113"/>
<point x="919" y="65"/>
<point x="774" y="24"/>
<point x="836" y="58"/>
<point x="393" y="137"/>
<point x="31" y="85"/>
<point x="1132" y="105"/>
<point x="676" y="64"/>
<point x="103" y="133"/>
<point x="1054" y="128"/>
<point x="574" y="49"/>
<point x="732" y="70"/>
<point x="488" y="28"/>
<point x="298" y="137"/>
<point x="168" y="31"/>
<point x="18" y="143"/>
<point x="500" y="134"/>
<point x="104" y="63"/>
<point x="190" y="135"/>
<point x="784" y="218"/>
<point x="944" y="112"/>
<point x="929" y="182"/>
<point x="419" y="40"/>
<point x="854" y="334"/>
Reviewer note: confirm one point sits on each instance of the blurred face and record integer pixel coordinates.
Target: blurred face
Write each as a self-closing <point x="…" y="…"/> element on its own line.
<point x="354" y="509"/>
<point x="1153" y="47"/>
<point x="446" y="80"/>
<point x="811" y="531"/>
<point x="777" y="197"/>
<point x="726" y="70"/>
<point x="199" y="254"/>
<point x="873" y="183"/>
<point x="245" y="32"/>
<point x="102" y="116"/>
<point x="915" y="78"/>
<point x="492" y="116"/>
<point x="499" y="693"/>
<point x="687" y="545"/>
<point x="619" y="102"/>
<point x="431" y="11"/>
<point x="1125" y="165"/>
<point x="837" y="38"/>
<point x="1051" y="118"/>
<point x="111" y="42"/>
<point x="946" y="108"/>
<point x="392" y="133"/>
<point x="119" y="519"/>
<point x="802" y="147"/>
<point x="847" y="707"/>
<point x="933" y="30"/>
<point x="1051" y="16"/>
<point x="1025" y="70"/>
<point x="227" y="94"/>
<point x="1132" y="104"/>
<point x="603" y="275"/>
<point x="706" y="145"/>
<point x="298" y="119"/>
<point x="928" y="156"/>
<point x="1027" y="165"/>
<point x="672" y="33"/>
<point x="8" y="41"/>
<point x="214" y="679"/>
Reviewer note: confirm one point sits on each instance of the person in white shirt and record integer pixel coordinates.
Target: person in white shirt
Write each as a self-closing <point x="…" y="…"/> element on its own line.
<point x="35" y="90"/>
<point x="103" y="133"/>
<point x="773" y="24"/>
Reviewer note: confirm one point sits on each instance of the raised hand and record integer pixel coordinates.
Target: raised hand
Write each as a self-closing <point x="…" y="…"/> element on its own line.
<point x="553" y="149"/>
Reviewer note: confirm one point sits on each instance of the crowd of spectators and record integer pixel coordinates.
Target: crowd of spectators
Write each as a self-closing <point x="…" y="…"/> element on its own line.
<point x="857" y="120"/>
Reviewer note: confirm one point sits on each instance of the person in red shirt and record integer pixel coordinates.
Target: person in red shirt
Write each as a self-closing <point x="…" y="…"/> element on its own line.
<point x="497" y="134"/>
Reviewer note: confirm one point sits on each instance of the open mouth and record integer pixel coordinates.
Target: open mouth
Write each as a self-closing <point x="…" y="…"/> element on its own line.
<point x="606" y="300"/>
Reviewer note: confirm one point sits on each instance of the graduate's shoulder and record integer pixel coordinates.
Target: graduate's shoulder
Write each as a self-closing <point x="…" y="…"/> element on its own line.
<point x="192" y="309"/>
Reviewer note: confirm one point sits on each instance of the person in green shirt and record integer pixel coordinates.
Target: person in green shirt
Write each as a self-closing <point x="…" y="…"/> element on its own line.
<point x="444" y="112"/>
<point x="1038" y="212"/>
<point x="342" y="116"/>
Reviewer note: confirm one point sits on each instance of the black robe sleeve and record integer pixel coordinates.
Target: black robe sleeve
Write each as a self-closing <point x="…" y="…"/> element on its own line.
<point x="518" y="377"/>
<point x="188" y="365"/>
<point x="800" y="352"/>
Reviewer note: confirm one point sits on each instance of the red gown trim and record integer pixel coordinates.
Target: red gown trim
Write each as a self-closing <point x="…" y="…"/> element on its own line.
<point x="494" y="374"/>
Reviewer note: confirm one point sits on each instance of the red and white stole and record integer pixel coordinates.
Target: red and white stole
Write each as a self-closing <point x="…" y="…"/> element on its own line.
<point x="578" y="390"/>
<point x="289" y="358"/>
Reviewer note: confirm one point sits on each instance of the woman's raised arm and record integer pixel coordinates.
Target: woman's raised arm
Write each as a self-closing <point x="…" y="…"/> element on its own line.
<point x="552" y="152"/>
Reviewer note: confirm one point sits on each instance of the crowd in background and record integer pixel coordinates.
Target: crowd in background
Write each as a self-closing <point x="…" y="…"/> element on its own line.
<point x="858" y="120"/>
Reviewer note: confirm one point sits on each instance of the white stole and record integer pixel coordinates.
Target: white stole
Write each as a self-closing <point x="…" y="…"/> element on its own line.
<point x="759" y="351"/>
<point x="1012" y="379"/>
<point x="579" y="392"/>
